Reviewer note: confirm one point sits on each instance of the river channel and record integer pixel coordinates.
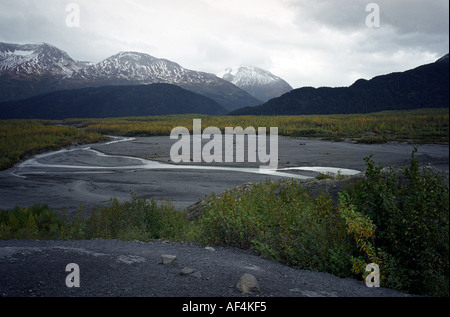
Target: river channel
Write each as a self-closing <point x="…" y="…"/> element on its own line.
<point x="89" y="175"/>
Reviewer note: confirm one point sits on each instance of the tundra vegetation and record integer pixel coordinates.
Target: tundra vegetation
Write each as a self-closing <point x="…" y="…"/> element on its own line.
<point x="19" y="138"/>
<point x="414" y="126"/>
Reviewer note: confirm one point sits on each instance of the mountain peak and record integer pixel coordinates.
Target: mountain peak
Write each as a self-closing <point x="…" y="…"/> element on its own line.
<point x="258" y="82"/>
<point x="426" y="86"/>
<point x="130" y="55"/>
<point x="31" y="69"/>
<point x="246" y="74"/>
<point x="31" y="59"/>
<point x="134" y="67"/>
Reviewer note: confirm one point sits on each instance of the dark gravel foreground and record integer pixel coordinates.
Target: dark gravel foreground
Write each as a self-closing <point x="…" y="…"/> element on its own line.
<point x="113" y="268"/>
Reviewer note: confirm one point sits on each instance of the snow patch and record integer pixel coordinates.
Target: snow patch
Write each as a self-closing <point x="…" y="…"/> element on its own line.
<point x="248" y="75"/>
<point x="23" y="53"/>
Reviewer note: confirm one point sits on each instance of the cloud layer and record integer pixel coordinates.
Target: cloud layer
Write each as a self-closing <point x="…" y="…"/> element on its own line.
<point x="307" y="42"/>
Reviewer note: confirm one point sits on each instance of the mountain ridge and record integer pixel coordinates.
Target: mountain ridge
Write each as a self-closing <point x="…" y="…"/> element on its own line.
<point x="111" y="101"/>
<point x="426" y="86"/>
<point x="40" y="59"/>
<point x="56" y="70"/>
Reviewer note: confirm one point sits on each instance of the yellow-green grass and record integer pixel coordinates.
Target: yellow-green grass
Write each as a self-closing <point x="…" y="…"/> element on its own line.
<point x="415" y="126"/>
<point x="19" y="138"/>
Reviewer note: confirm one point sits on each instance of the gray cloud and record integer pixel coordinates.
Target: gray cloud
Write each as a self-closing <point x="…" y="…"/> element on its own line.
<point x="307" y="42"/>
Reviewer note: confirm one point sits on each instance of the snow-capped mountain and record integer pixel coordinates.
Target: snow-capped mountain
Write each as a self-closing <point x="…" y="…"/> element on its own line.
<point x="426" y="86"/>
<point x="258" y="82"/>
<point x="126" y="68"/>
<point x="36" y="59"/>
<point x="140" y="67"/>
<point x="31" y="69"/>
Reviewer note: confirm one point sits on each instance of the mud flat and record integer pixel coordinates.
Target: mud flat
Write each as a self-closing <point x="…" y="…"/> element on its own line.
<point x="90" y="175"/>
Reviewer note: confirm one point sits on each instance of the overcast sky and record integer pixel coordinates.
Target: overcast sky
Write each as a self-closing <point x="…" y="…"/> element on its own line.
<point x="306" y="42"/>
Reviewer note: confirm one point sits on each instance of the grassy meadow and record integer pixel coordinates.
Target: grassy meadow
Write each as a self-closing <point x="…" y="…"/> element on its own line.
<point x="19" y="138"/>
<point x="415" y="126"/>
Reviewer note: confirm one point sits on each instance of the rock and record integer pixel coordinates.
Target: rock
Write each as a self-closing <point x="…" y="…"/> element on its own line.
<point x="210" y="249"/>
<point x="168" y="259"/>
<point x="196" y="274"/>
<point x="191" y="272"/>
<point x="187" y="271"/>
<point x="248" y="284"/>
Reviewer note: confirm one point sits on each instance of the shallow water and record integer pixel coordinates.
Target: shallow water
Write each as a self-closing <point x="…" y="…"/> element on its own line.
<point x="91" y="175"/>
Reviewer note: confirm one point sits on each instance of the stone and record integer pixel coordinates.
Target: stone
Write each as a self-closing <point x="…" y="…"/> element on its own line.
<point x="187" y="271"/>
<point x="210" y="249"/>
<point x="196" y="274"/>
<point x="168" y="259"/>
<point x="248" y="284"/>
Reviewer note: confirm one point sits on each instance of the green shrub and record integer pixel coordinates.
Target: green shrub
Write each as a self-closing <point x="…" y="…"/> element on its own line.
<point x="397" y="219"/>
<point x="282" y="222"/>
<point x="362" y="229"/>
<point x="136" y="219"/>
<point x="411" y="213"/>
<point x="36" y="222"/>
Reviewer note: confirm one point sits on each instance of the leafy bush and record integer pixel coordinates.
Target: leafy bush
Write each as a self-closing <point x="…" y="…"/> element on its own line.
<point x="136" y="219"/>
<point x="362" y="228"/>
<point x="411" y="213"/>
<point x="396" y="219"/>
<point x="36" y="222"/>
<point x="282" y="222"/>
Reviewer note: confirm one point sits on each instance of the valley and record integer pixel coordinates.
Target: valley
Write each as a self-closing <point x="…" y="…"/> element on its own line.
<point x="86" y="153"/>
<point x="90" y="175"/>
